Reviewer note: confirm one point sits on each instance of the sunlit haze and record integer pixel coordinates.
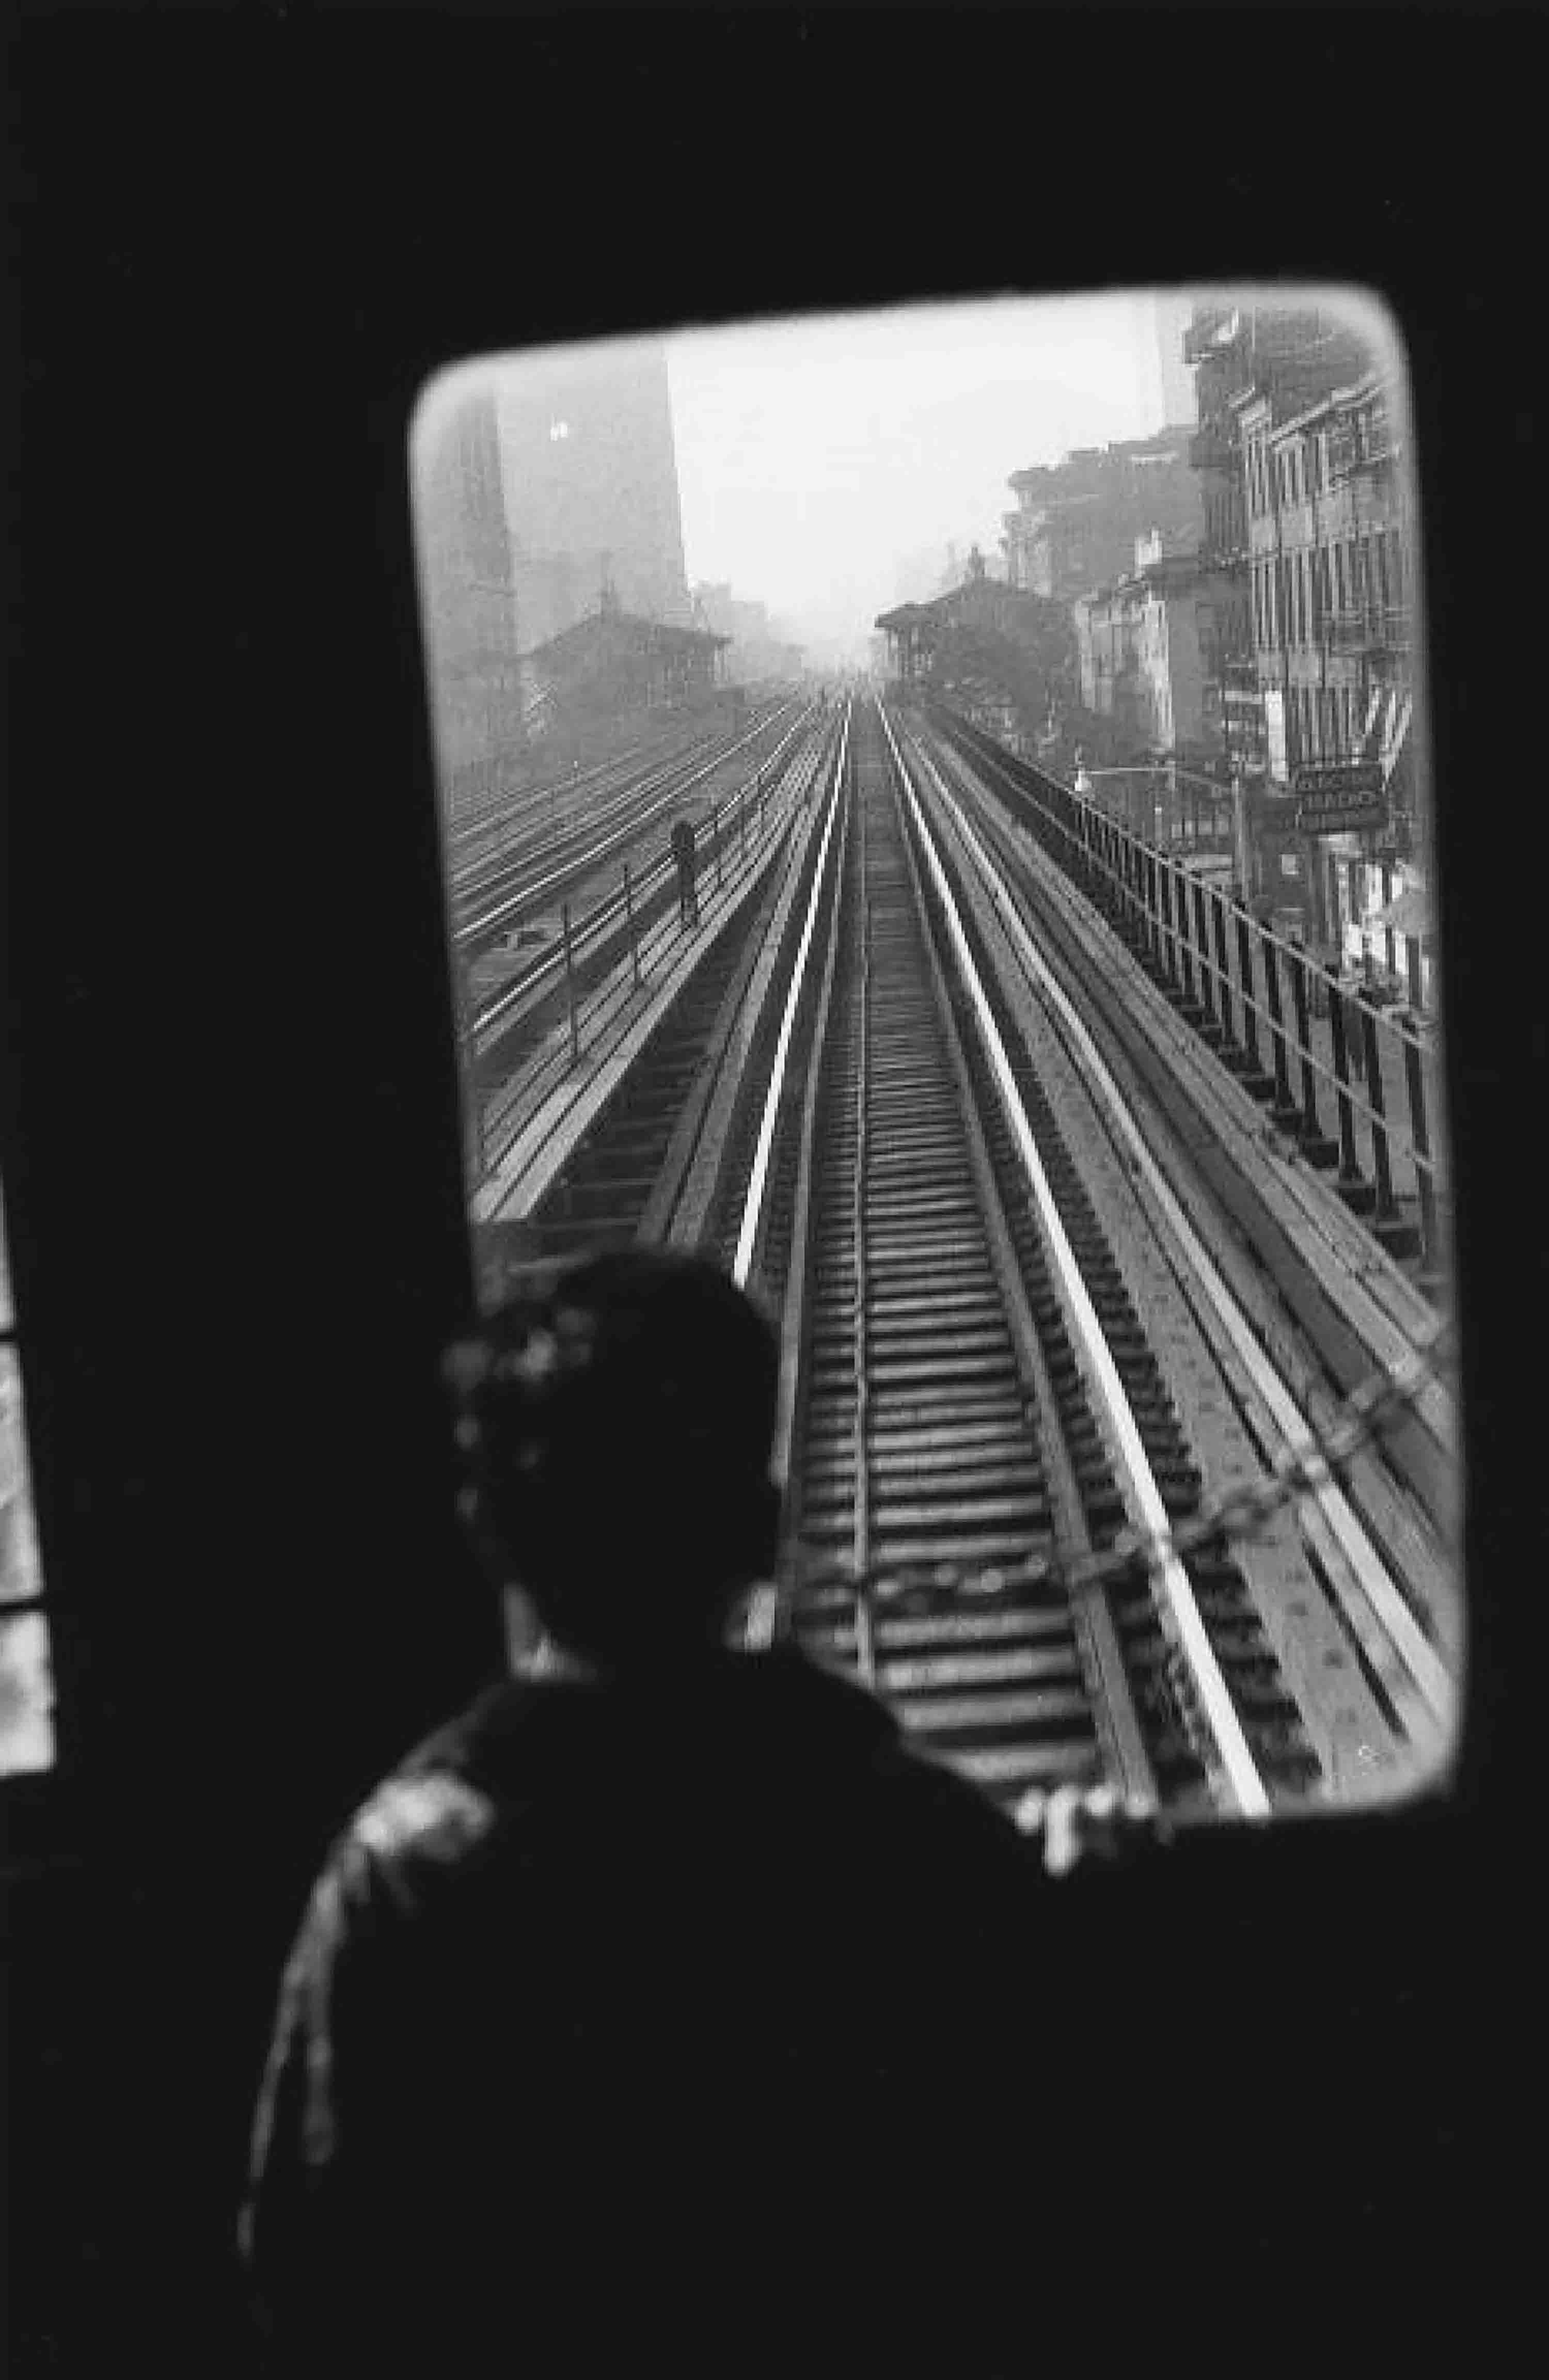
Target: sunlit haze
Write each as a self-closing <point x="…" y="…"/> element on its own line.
<point x="824" y="467"/>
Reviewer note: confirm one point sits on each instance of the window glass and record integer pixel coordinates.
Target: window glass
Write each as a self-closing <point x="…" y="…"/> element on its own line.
<point x="26" y="1680"/>
<point x="757" y="581"/>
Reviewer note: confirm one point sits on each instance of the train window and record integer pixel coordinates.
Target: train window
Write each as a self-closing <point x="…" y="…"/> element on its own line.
<point x="1043" y="1015"/>
<point x="25" y="1687"/>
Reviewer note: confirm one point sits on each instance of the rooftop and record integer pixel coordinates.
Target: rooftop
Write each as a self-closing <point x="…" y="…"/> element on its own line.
<point x="630" y="627"/>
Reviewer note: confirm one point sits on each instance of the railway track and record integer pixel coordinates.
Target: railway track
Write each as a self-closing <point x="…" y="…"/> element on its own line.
<point x="976" y="1427"/>
<point x="625" y="1178"/>
<point x="559" y="862"/>
<point x="955" y="1445"/>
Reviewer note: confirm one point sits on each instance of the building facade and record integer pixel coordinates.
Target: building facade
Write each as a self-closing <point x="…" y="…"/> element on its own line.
<point x="469" y="593"/>
<point x="1076" y="522"/>
<point x="1331" y="545"/>
<point x="1329" y="576"/>
<point x="1148" y="645"/>
<point x="1289" y="359"/>
<point x="591" y="477"/>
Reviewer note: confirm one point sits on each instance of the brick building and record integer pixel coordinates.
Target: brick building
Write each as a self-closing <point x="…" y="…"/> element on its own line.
<point x="1331" y="546"/>
<point x="1076" y="522"/>
<point x="1148" y="645"/>
<point x="1289" y="358"/>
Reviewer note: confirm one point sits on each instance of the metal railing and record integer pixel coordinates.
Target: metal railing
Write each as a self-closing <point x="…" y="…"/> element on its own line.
<point x="1356" y="1086"/>
<point x="636" y="924"/>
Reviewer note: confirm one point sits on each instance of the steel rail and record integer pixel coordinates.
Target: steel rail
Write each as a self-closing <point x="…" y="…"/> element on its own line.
<point x="1238" y="1769"/>
<point x="769" y="1610"/>
<point x="522" y="986"/>
<point x="618" y="832"/>
<point x="615" y="791"/>
<point x="1426" y="1669"/>
<point x="758" y="1182"/>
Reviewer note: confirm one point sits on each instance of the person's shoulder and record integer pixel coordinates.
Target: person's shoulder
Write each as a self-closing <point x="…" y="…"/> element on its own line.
<point x="845" y="1734"/>
<point x="940" y="1799"/>
<point x="429" y="1814"/>
<point x="416" y="1826"/>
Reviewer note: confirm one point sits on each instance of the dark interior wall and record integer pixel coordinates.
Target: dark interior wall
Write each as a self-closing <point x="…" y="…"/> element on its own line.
<point x="231" y="1153"/>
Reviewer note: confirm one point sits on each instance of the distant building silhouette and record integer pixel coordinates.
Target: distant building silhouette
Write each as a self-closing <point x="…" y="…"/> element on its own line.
<point x="757" y="651"/>
<point x="1077" y="522"/>
<point x="469" y="600"/>
<point x="590" y="477"/>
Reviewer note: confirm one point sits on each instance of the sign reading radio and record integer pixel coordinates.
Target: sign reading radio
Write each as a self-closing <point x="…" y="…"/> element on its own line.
<point x="1344" y="799"/>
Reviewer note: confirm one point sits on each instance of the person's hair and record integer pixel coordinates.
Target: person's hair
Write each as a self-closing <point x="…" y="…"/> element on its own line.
<point x="617" y="1424"/>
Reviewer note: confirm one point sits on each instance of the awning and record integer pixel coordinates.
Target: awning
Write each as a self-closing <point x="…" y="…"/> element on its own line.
<point x="1407" y="915"/>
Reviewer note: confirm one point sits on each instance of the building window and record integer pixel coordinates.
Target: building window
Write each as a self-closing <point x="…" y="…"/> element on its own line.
<point x="1301" y="599"/>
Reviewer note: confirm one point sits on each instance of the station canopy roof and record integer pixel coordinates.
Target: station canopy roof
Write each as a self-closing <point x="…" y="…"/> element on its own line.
<point x="941" y="607"/>
<point x="626" y="628"/>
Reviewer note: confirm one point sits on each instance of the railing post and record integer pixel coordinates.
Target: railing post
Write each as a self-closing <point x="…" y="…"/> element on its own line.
<point x="1245" y="985"/>
<point x="1218" y="918"/>
<point x="1319" y="1150"/>
<point x="1202" y="940"/>
<point x="1162" y="912"/>
<point x="1419" y="1141"/>
<point x="1285" y="1110"/>
<point x="570" y="983"/>
<point x="742" y="820"/>
<point x="629" y="913"/>
<point x="1134" y="906"/>
<point x="1151" y="922"/>
<point x="1398" y="1236"/>
<point x="1177" y="924"/>
<point x="715" y="841"/>
<point x="1354" y="1188"/>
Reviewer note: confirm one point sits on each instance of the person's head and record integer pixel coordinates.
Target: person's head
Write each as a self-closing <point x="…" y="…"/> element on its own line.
<point x="618" y="1427"/>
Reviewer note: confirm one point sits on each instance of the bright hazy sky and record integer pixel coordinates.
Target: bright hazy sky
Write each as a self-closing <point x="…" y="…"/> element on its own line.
<point x="817" y="461"/>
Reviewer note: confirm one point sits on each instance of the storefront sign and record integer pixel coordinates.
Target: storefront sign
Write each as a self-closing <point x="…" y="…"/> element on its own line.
<point x="1339" y="800"/>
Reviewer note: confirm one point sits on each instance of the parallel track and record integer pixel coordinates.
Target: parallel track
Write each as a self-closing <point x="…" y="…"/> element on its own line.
<point x="947" y="1421"/>
<point x="971" y="1406"/>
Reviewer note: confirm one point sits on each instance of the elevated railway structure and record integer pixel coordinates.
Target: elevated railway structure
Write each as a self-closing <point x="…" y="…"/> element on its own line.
<point x="1097" y="1471"/>
<point x="568" y="836"/>
<point x="624" y="914"/>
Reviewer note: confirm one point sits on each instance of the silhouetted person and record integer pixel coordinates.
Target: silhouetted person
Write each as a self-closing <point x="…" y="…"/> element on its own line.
<point x="664" y="2006"/>
<point x="686" y="862"/>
